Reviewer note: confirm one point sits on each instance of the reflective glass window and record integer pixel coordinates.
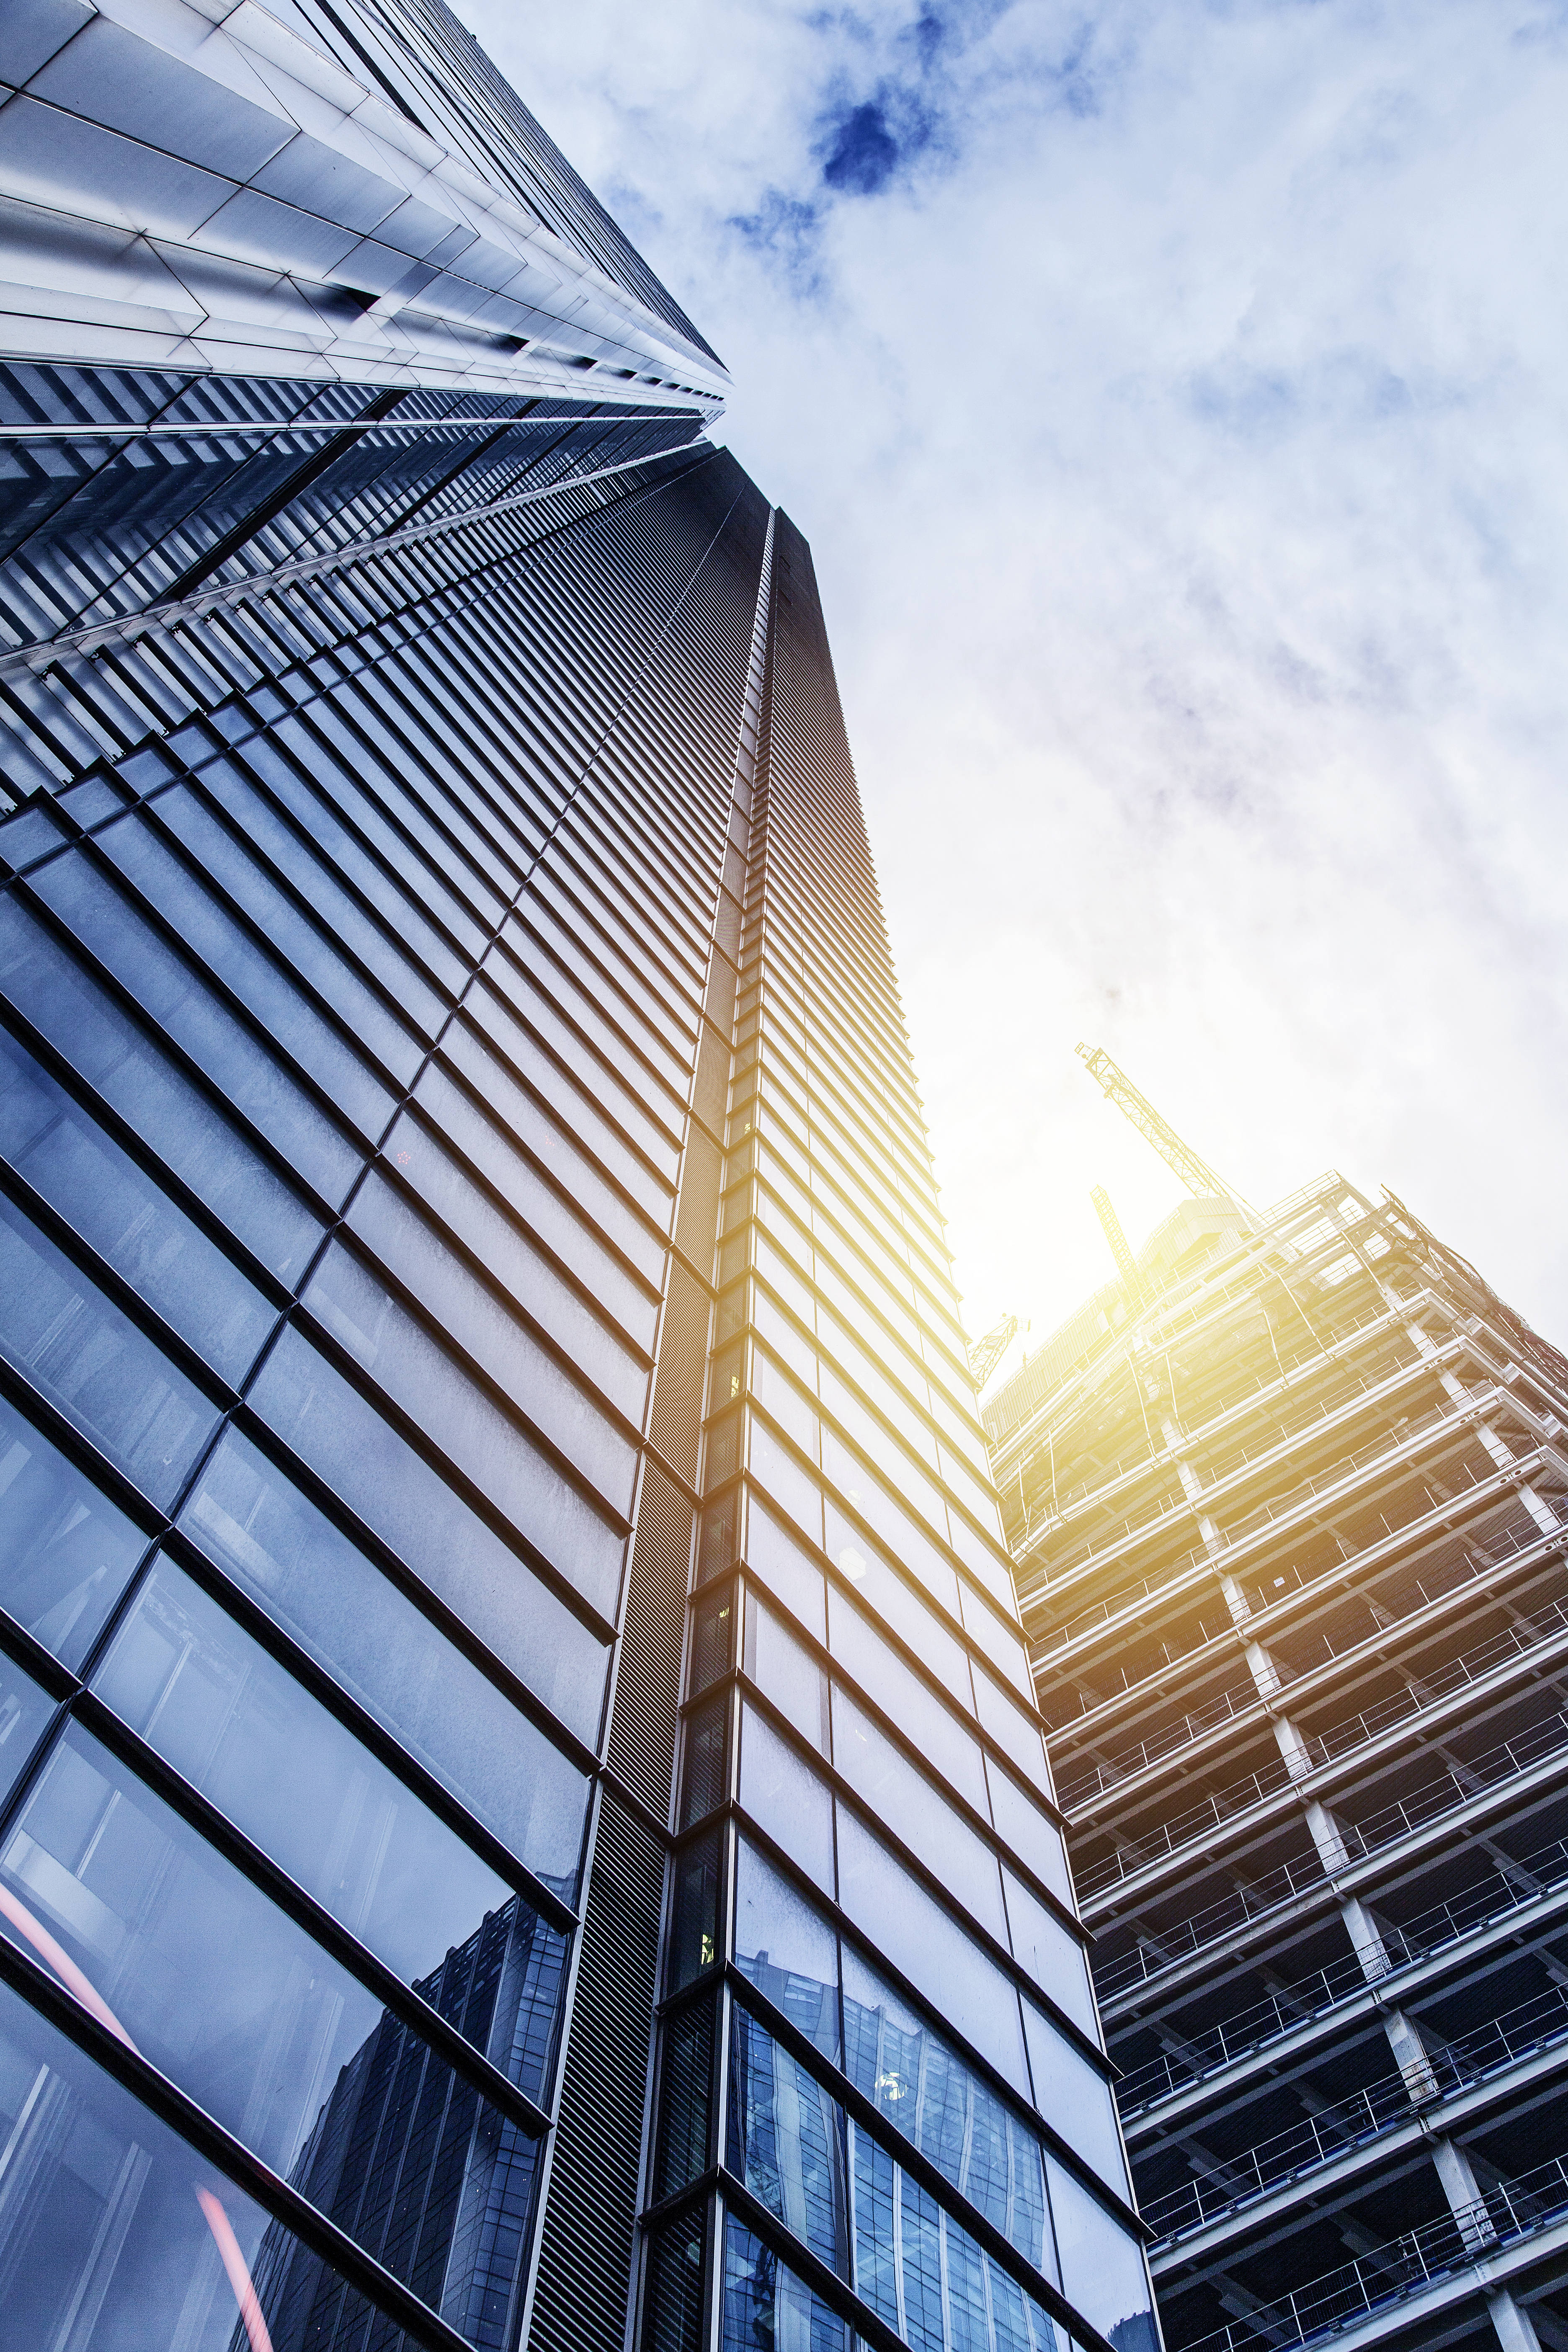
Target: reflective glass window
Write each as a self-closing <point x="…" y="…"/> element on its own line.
<point x="473" y="1430"/>
<point x="95" y="1366"/>
<point x="242" y="1730"/>
<point x="784" y="1797"/>
<point x="882" y="1589"/>
<point x="319" y="887"/>
<point x="483" y="1324"/>
<point x="786" y="2139"/>
<point x="512" y="1257"/>
<point x="291" y="934"/>
<point x="511" y="1093"/>
<point x="169" y="989"/>
<point x="120" y="2237"/>
<point x="901" y="1693"/>
<point x="788" y="1481"/>
<point x="353" y="859"/>
<point x="1075" y="2098"/>
<point x="786" y="1949"/>
<point x="785" y="1568"/>
<point x="115" y="1205"/>
<point x="931" y="2095"/>
<point x="396" y="1494"/>
<point x="227" y="1996"/>
<point x="766" y="2308"/>
<point x="327" y="1596"/>
<point x="142" y="1083"/>
<point x="786" y="1673"/>
<point x="1003" y="1643"/>
<point x="1032" y="1837"/>
<point x="24" y="1710"/>
<point x="1053" y="1955"/>
<point x="260" y="984"/>
<point x="1103" y="2269"/>
<point x="903" y="1798"/>
<point x="1017" y="1734"/>
<point x="927" y="1945"/>
<point x="66" y="1552"/>
<point x="907" y="1542"/>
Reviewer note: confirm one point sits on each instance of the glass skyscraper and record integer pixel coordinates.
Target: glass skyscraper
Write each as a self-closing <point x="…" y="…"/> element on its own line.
<point x="523" y="1815"/>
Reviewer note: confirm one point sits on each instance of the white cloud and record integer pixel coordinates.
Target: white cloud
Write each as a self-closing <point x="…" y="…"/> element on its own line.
<point x="1179" y="430"/>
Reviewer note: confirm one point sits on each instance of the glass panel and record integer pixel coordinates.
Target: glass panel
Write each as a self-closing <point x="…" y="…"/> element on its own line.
<point x="786" y="1569"/>
<point x="119" y="2237"/>
<point x="883" y="1511"/>
<point x="791" y="1486"/>
<point x="339" y="1608"/>
<point x="223" y="1993"/>
<point x="1103" y="2270"/>
<point x="920" y="2220"/>
<point x="1014" y="1733"/>
<point x="909" y="1804"/>
<point x="787" y="1673"/>
<point x="350" y="1299"/>
<point x="291" y="934"/>
<point x="1002" y="1643"/>
<point x="24" y="1710"/>
<point x="140" y="1081"/>
<point x="485" y="1443"/>
<point x="927" y="1945"/>
<point x="170" y="990"/>
<point x="901" y="1694"/>
<point x="1053" y="1957"/>
<point x="481" y="1580"/>
<point x="876" y="2180"/>
<point x="243" y="1732"/>
<point x="116" y="1207"/>
<point x="66" y="1553"/>
<point x="882" y="1589"/>
<point x="767" y="2308"/>
<point x="786" y="1947"/>
<point x="927" y="2091"/>
<point x="509" y="1256"/>
<point x="260" y="984"/>
<point x="784" y="1797"/>
<point x="1075" y="2098"/>
<point x="785" y="2141"/>
<point x="94" y="1365"/>
<point x="1032" y="1837"/>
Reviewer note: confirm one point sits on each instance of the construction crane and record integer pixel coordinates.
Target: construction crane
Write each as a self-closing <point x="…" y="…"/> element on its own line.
<point x="1119" y="1089"/>
<point x="987" y="1354"/>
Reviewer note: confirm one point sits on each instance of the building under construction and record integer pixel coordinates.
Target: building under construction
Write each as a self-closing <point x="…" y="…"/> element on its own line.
<point x="1289" y="1503"/>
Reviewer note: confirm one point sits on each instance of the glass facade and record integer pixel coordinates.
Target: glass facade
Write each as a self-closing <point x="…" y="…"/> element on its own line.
<point x="522" y="1809"/>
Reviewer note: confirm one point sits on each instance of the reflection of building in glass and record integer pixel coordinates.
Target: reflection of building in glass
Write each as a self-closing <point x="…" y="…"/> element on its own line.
<point x="1289" y="1508"/>
<point x="406" y="2161"/>
<point x="488" y="1463"/>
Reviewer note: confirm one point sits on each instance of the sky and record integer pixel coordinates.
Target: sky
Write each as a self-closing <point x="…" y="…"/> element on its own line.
<point x="1174" y="396"/>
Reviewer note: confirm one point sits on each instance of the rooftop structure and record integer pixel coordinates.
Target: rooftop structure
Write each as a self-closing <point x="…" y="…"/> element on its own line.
<point x="1288" y="1514"/>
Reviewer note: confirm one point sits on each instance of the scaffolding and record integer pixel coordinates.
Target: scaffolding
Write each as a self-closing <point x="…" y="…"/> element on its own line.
<point x="1288" y="1516"/>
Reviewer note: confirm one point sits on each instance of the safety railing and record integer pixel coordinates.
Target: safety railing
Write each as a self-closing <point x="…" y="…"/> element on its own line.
<point x="1539" y="1874"/>
<point x="1340" y="1739"/>
<point x="1336" y="2131"/>
<point x="1362" y="1840"/>
<point x="1400" y="2269"/>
